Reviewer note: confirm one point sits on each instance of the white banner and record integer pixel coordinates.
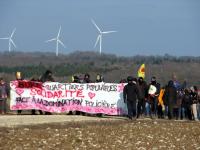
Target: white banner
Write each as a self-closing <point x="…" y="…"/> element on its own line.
<point x="106" y="98"/>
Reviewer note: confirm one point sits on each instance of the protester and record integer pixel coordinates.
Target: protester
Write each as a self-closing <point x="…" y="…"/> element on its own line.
<point x="18" y="76"/>
<point x="161" y="106"/>
<point x="194" y="98"/>
<point x="33" y="111"/>
<point x="142" y="92"/>
<point x="4" y="92"/>
<point x="170" y="97"/>
<point x="87" y="78"/>
<point x="181" y="109"/>
<point x="186" y="104"/>
<point x="198" y="105"/>
<point x="123" y="81"/>
<point x="153" y="93"/>
<point x="130" y="94"/>
<point x="177" y="106"/>
<point x="47" y="77"/>
<point x="99" y="78"/>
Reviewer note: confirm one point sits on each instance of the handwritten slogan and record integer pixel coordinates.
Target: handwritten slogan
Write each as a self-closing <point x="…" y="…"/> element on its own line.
<point x="106" y="98"/>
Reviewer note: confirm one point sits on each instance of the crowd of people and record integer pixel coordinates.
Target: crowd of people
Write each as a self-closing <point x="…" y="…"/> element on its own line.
<point x="172" y="101"/>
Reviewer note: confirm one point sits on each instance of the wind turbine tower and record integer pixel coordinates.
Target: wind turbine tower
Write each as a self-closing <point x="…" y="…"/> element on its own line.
<point x="10" y="41"/>
<point x="100" y="36"/>
<point x="57" y="41"/>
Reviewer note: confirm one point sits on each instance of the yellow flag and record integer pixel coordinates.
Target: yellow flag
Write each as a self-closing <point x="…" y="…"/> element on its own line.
<point x="141" y="71"/>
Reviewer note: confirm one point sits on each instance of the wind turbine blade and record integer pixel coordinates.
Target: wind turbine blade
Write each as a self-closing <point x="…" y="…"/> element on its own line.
<point x="98" y="37"/>
<point x="59" y="32"/>
<point x="96" y="25"/>
<point x="61" y="43"/>
<point x="4" y="38"/>
<point x="13" y="32"/>
<point x="106" y="32"/>
<point x="13" y="43"/>
<point x="50" y="40"/>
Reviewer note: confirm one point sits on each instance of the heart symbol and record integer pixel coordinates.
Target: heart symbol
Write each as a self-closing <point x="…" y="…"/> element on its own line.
<point x="91" y="95"/>
<point x="19" y="91"/>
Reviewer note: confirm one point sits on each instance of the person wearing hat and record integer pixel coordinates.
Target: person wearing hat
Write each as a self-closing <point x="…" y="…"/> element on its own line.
<point x="130" y="94"/>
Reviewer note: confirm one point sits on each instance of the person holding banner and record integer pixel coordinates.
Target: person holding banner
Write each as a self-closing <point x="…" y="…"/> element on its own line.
<point x="18" y="76"/>
<point x="130" y="94"/>
<point x="47" y="77"/>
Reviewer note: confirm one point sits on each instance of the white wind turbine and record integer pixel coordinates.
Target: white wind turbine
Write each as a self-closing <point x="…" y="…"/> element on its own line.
<point x="10" y="41"/>
<point x="57" y="41"/>
<point x="99" y="37"/>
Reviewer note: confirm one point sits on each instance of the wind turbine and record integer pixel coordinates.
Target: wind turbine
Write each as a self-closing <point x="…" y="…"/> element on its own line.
<point x="10" y="41"/>
<point x="99" y="37"/>
<point x="57" y="41"/>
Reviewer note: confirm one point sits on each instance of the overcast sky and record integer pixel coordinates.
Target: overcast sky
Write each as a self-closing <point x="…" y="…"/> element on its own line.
<point x="145" y="27"/>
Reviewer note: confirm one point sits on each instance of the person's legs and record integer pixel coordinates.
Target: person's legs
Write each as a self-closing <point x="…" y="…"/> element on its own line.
<point x="170" y="112"/>
<point x="176" y="113"/>
<point x="198" y="111"/>
<point x="139" y="108"/>
<point x="152" y="109"/>
<point x="41" y="113"/>
<point x="134" y="108"/>
<point x="147" y="107"/>
<point x="19" y="112"/>
<point x="143" y="106"/>
<point x="182" y="113"/>
<point x="194" y="110"/>
<point x="1" y="106"/>
<point x="4" y="105"/>
<point x="33" y="112"/>
<point x="130" y="112"/>
<point x="159" y="111"/>
<point x="155" y="106"/>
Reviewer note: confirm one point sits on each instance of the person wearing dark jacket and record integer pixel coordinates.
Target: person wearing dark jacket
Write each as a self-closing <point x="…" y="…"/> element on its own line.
<point x="87" y="78"/>
<point x="47" y="76"/>
<point x="130" y="94"/>
<point x="142" y="96"/>
<point x="186" y="104"/>
<point x="170" y="97"/>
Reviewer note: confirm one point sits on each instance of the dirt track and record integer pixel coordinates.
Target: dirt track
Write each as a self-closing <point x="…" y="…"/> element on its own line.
<point x="78" y="132"/>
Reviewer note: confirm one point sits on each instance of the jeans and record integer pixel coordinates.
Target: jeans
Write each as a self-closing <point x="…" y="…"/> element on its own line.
<point x="181" y="112"/>
<point x="147" y="109"/>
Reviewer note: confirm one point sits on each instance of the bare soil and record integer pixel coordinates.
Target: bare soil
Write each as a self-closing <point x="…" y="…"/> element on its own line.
<point x="91" y="134"/>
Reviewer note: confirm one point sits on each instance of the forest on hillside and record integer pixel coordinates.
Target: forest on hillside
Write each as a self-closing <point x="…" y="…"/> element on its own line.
<point x="112" y="67"/>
